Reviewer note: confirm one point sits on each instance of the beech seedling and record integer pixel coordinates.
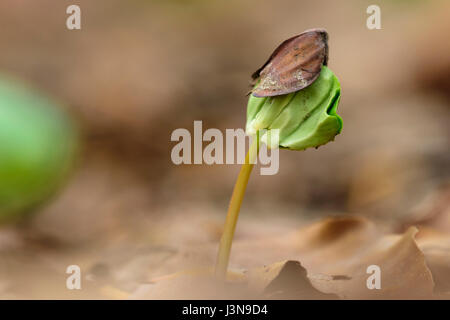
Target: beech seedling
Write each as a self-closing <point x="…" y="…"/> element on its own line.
<point x="296" y="94"/>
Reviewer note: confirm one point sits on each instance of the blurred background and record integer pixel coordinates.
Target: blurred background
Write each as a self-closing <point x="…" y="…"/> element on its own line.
<point x="137" y="70"/>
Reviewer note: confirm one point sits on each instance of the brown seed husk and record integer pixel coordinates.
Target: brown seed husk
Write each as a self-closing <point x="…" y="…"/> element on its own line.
<point x="294" y="65"/>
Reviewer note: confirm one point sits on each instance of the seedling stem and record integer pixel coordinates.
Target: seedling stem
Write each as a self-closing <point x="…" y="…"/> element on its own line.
<point x="233" y="210"/>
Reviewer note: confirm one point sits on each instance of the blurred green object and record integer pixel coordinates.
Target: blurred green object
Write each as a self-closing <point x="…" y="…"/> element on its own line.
<point x="37" y="148"/>
<point x="305" y="119"/>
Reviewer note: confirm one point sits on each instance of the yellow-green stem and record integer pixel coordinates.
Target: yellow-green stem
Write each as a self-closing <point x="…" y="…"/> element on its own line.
<point x="233" y="211"/>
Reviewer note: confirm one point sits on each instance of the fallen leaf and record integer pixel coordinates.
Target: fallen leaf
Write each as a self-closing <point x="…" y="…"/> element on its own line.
<point x="335" y="254"/>
<point x="436" y="248"/>
<point x="284" y="280"/>
<point x="348" y="246"/>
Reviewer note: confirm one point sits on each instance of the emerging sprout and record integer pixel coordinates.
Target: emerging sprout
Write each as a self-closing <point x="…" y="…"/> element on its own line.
<point x="298" y="95"/>
<point x="306" y="118"/>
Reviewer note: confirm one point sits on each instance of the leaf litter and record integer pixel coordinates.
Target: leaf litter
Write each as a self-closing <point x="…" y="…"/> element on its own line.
<point x="327" y="259"/>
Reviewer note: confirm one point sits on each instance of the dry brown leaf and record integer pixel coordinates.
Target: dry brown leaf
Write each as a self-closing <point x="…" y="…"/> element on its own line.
<point x="281" y="280"/>
<point x="284" y="280"/>
<point x="335" y="253"/>
<point x="348" y="246"/>
<point x="194" y="284"/>
<point x="436" y="248"/>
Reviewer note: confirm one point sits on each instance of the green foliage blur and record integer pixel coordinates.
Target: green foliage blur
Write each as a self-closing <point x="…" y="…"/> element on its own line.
<point x="37" y="147"/>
